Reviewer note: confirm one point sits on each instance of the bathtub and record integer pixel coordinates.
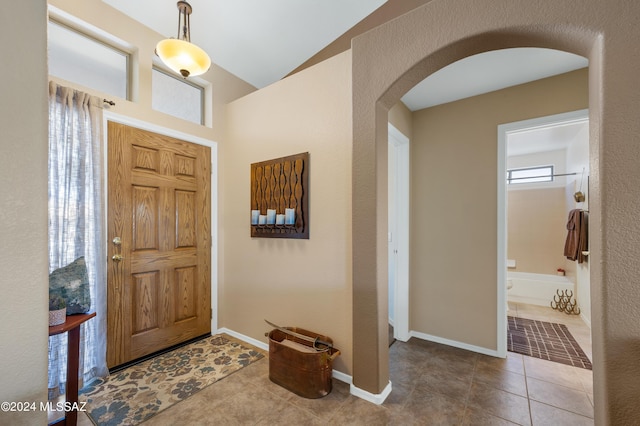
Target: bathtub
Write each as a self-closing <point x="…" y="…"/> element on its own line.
<point x="537" y="289"/>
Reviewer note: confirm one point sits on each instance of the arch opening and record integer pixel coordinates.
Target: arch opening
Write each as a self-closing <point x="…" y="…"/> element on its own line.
<point x="376" y="90"/>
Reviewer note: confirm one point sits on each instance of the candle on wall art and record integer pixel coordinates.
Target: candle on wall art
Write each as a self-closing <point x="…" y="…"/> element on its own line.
<point x="281" y="184"/>
<point x="289" y="216"/>
<point x="254" y="216"/>
<point x="271" y="216"/>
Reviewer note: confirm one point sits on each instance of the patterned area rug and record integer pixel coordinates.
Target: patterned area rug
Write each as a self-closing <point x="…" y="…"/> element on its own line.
<point x="141" y="391"/>
<point x="545" y="340"/>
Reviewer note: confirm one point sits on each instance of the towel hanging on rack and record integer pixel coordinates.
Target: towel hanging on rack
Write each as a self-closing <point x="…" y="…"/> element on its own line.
<point x="576" y="241"/>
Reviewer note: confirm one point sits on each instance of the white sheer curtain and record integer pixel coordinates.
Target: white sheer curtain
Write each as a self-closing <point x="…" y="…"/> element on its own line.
<point x="76" y="221"/>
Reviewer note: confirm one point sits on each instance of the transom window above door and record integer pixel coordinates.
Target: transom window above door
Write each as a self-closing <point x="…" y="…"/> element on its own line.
<point x="177" y="96"/>
<point x="80" y="58"/>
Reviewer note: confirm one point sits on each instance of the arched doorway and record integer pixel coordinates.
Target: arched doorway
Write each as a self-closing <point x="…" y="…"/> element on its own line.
<point x="453" y="117"/>
<point x="393" y="58"/>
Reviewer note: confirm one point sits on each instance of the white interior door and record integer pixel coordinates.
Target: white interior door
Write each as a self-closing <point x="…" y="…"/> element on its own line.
<point x="399" y="233"/>
<point x="392" y="250"/>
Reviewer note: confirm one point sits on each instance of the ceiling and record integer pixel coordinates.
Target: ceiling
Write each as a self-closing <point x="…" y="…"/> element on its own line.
<point x="259" y="41"/>
<point x="490" y="71"/>
<point x="552" y="137"/>
<point x="262" y="41"/>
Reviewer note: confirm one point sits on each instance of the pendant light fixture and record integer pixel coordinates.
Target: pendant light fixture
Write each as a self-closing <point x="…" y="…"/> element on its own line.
<point x="180" y="54"/>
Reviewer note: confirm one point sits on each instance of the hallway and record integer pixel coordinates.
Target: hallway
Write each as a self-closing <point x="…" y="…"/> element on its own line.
<point x="432" y="384"/>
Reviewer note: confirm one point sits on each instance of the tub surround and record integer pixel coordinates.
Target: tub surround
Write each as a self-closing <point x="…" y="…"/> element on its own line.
<point x="537" y="289"/>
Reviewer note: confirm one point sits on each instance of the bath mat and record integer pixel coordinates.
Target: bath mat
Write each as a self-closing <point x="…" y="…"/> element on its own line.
<point x="141" y="391"/>
<point x="545" y="340"/>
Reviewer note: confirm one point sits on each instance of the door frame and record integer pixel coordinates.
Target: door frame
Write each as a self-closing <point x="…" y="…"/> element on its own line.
<point x="144" y="125"/>
<point x="503" y="133"/>
<point x="402" y="181"/>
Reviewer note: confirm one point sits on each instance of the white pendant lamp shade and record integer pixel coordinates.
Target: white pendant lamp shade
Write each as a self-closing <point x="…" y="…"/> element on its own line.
<point x="183" y="57"/>
<point x="180" y="54"/>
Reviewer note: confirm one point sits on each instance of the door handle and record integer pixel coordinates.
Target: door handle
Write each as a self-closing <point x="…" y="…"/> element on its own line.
<point x="117" y="257"/>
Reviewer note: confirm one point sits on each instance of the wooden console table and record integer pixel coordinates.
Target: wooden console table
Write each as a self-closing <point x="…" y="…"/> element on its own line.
<point x="72" y="326"/>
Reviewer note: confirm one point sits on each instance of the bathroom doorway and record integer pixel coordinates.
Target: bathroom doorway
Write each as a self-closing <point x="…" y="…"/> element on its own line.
<point x="544" y="166"/>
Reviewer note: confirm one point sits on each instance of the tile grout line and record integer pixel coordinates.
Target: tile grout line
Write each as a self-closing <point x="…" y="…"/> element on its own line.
<point x="549" y="405"/>
<point x="526" y="379"/>
<point x="526" y="386"/>
<point x="468" y="398"/>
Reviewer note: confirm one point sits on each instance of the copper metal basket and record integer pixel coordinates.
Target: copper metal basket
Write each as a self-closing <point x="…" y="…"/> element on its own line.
<point x="296" y="365"/>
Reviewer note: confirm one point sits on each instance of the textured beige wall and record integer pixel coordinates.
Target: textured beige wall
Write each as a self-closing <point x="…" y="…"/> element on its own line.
<point x="454" y="153"/>
<point x="23" y="219"/>
<point x="302" y="283"/>
<point x="537" y="230"/>
<point x="390" y="59"/>
<point x="401" y="118"/>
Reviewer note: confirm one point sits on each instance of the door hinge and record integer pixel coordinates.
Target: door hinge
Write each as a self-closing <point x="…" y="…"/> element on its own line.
<point x="211" y="313"/>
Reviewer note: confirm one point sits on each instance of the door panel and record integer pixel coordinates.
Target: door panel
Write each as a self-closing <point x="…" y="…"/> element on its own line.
<point x="185" y="219"/>
<point x="145" y="297"/>
<point x="159" y="293"/>
<point x="185" y="283"/>
<point x="145" y="218"/>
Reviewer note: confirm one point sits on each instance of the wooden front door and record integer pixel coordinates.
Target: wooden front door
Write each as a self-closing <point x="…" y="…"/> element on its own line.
<point x="159" y="215"/>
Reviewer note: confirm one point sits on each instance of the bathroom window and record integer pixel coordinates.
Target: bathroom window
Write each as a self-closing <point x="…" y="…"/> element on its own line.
<point x="530" y="175"/>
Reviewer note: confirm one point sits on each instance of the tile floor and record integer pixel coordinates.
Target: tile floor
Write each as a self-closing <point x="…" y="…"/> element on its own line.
<point x="433" y="384"/>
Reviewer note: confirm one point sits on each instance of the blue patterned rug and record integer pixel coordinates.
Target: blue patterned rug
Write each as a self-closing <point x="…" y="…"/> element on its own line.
<point x="141" y="391"/>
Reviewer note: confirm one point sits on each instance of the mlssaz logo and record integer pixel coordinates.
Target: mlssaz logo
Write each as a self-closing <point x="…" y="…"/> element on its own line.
<point x="62" y="406"/>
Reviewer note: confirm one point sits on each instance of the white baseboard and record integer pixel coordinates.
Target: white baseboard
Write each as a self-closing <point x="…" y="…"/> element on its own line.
<point x="338" y="375"/>
<point x="454" y="343"/>
<point x="377" y="399"/>
<point x="344" y="378"/>
<point x="262" y="345"/>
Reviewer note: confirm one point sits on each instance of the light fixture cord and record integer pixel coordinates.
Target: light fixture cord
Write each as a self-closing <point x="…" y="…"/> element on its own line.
<point x="184" y="23"/>
<point x="185" y="27"/>
<point x="179" y="21"/>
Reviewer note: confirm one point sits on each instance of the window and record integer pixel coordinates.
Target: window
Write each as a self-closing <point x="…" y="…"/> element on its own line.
<point x="79" y="58"/>
<point x="176" y="96"/>
<point x="530" y="175"/>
